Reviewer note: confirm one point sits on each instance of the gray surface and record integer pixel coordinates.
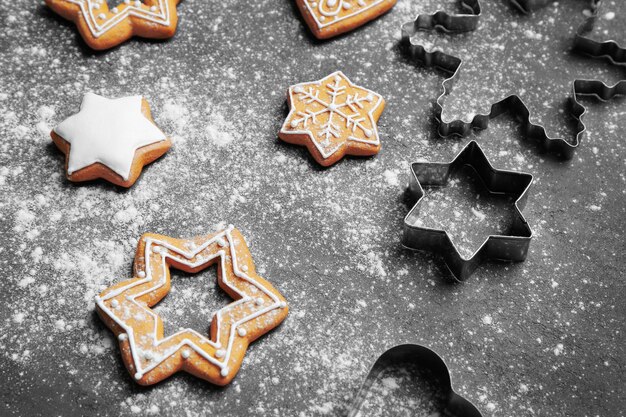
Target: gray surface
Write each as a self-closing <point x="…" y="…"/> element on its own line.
<point x="544" y="337"/>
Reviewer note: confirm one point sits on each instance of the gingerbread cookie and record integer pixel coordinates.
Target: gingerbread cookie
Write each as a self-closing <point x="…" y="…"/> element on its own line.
<point x="104" y="28"/>
<point x="148" y="355"/>
<point x="333" y="117"/>
<point x="109" y="138"/>
<point x="328" y="18"/>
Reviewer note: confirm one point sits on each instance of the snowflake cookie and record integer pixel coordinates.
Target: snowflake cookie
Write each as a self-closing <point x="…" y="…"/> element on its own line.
<point x="110" y="139"/>
<point x="328" y="18"/>
<point x="148" y="355"/>
<point x="333" y="117"/>
<point x="102" y="27"/>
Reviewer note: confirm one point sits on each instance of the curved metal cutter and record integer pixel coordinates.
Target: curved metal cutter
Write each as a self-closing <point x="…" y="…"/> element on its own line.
<point x="466" y="22"/>
<point x="510" y="247"/>
<point x="609" y="49"/>
<point x="454" y="404"/>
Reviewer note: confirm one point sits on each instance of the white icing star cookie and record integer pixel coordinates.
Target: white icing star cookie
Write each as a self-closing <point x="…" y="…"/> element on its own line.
<point x="110" y="138"/>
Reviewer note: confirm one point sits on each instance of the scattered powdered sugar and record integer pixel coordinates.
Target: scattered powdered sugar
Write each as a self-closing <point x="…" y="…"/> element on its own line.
<point x="175" y="116"/>
<point x="558" y="350"/>
<point x="218" y="137"/>
<point x="391" y="177"/>
<point x="328" y="239"/>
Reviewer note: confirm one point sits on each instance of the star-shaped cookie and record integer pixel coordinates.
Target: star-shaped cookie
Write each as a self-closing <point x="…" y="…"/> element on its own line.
<point x="148" y="355"/>
<point x="333" y="117"/>
<point x="328" y="18"/>
<point x="104" y="28"/>
<point x="109" y="138"/>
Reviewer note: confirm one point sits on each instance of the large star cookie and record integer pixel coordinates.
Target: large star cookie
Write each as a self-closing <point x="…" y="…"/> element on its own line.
<point x="328" y="18"/>
<point x="109" y="138"/>
<point x="104" y="28"/>
<point x="148" y="355"/>
<point x="333" y="117"/>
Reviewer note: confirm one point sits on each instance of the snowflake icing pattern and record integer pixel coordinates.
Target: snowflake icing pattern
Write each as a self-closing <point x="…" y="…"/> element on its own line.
<point x="336" y="116"/>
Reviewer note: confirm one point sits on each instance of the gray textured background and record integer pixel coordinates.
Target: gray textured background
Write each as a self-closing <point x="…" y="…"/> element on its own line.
<point x="543" y="337"/>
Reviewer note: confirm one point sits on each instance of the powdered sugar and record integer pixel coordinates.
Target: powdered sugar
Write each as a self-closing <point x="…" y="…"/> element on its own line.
<point x="324" y="238"/>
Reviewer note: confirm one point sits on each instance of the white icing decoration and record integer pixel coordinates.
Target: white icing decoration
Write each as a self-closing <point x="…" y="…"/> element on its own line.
<point x="185" y="354"/>
<point x="326" y="7"/>
<point x="107" y="131"/>
<point x="241" y="331"/>
<point x="159" y="16"/>
<point x="259" y="301"/>
<point x="352" y="121"/>
<point x="122" y="337"/>
<point x="332" y="8"/>
<point x="222" y="356"/>
<point x="141" y="274"/>
<point x="115" y="304"/>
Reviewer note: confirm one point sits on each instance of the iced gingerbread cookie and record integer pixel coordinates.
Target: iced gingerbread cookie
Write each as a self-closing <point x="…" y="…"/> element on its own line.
<point x="333" y="117"/>
<point x="102" y="27"/>
<point x="328" y="18"/>
<point x="148" y="355"/>
<point x="109" y="138"/>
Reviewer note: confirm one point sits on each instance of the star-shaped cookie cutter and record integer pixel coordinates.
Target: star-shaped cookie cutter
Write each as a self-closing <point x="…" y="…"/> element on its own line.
<point x="510" y="247"/>
<point x="453" y="404"/>
<point x="150" y="357"/>
<point x="466" y="22"/>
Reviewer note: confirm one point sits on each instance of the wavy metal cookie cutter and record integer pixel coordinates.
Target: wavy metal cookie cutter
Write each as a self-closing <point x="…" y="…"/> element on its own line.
<point x="454" y="405"/>
<point x="610" y="49"/>
<point x="510" y="247"/>
<point x="466" y="22"/>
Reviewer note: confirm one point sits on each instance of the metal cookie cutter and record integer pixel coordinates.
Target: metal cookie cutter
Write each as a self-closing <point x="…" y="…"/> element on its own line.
<point x="466" y="22"/>
<point x="609" y="49"/>
<point x="510" y="247"/>
<point x="453" y="404"/>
